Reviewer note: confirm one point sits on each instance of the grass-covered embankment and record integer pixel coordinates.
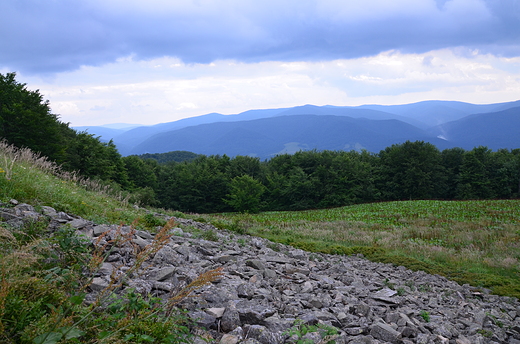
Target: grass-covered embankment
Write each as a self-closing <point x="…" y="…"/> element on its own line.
<point x="475" y="242"/>
<point x="28" y="177"/>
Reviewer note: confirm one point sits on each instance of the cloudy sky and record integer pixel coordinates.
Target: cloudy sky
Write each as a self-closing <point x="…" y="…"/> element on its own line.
<point x="154" y="61"/>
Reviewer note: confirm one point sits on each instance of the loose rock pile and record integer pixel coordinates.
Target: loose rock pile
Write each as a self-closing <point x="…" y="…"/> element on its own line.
<point x="272" y="293"/>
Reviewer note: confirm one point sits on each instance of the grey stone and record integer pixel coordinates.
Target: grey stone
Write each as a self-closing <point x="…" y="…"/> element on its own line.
<point x="256" y="264"/>
<point x="63" y="216"/>
<point x="362" y="340"/>
<point x="268" y="273"/>
<point x="142" y="243"/>
<point x="49" y="211"/>
<point x="203" y="319"/>
<point x="98" y="230"/>
<point x="229" y="339"/>
<point x="145" y="235"/>
<point x="164" y="273"/>
<point x="98" y="284"/>
<point x="216" y="312"/>
<point x="464" y="340"/>
<point x="312" y="337"/>
<point x="25" y="207"/>
<point x="276" y="259"/>
<point x="354" y="331"/>
<point x="385" y="332"/>
<point x="262" y="335"/>
<point x="106" y="269"/>
<point x="226" y="258"/>
<point x="79" y="223"/>
<point x="277" y="324"/>
<point x="252" y="313"/>
<point x="166" y="256"/>
<point x="182" y="249"/>
<point x="230" y="319"/>
<point x="307" y="287"/>
<point x="246" y="290"/>
<point x="410" y="332"/>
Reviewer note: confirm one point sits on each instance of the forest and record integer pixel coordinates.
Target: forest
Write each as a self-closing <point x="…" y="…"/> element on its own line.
<point x="305" y="180"/>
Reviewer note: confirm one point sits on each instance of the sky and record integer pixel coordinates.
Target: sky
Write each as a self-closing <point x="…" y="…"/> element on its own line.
<point x="154" y="61"/>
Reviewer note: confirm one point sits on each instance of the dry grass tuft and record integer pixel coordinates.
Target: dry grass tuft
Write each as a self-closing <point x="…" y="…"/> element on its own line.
<point x="202" y="280"/>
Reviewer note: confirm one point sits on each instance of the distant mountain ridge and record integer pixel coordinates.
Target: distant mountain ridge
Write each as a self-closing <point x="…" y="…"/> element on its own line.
<point x="267" y="132"/>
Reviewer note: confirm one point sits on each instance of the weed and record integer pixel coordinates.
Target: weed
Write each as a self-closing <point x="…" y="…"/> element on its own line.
<point x="299" y="329"/>
<point x="485" y="333"/>
<point x="314" y="257"/>
<point x="424" y="288"/>
<point x="410" y="284"/>
<point x="151" y="222"/>
<point x="401" y="291"/>
<point x="495" y="320"/>
<point x="425" y="315"/>
<point x="389" y="284"/>
<point x="237" y="227"/>
<point x="274" y="246"/>
<point x="210" y="235"/>
<point x="32" y="229"/>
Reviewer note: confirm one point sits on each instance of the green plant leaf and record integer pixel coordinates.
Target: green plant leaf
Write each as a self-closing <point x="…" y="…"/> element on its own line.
<point x="147" y="338"/>
<point x="48" y="338"/>
<point x="71" y="332"/>
<point x="77" y="299"/>
<point x="104" y="334"/>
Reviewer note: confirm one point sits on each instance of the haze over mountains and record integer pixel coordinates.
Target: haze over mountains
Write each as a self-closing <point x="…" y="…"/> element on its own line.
<point x="265" y="133"/>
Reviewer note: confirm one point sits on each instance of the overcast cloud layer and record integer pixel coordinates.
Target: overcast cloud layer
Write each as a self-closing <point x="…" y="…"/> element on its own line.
<point x="154" y="61"/>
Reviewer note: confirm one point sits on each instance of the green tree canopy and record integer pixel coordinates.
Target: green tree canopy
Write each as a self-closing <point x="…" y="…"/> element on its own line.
<point x="411" y="170"/>
<point x="245" y="195"/>
<point x="26" y="120"/>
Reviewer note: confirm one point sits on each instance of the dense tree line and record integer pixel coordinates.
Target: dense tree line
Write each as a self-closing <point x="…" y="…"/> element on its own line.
<point x="308" y="179"/>
<point x="175" y="156"/>
<point x="312" y="179"/>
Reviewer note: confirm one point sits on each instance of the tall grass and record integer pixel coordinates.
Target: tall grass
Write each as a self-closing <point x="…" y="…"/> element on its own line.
<point x="475" y="242"/>
<point x="31" y="178"/>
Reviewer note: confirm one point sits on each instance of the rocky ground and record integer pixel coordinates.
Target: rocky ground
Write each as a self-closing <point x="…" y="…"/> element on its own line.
<point x="272" y="293"/>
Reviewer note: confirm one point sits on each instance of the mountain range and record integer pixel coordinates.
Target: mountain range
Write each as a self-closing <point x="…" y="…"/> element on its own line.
<point x="267" y="132"/>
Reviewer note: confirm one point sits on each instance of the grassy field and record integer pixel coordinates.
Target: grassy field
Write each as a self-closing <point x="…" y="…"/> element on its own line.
<point x="475" y="242"/>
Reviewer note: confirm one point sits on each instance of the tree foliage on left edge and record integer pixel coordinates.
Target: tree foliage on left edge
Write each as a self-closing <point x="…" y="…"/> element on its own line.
<point x="26" y="120"/>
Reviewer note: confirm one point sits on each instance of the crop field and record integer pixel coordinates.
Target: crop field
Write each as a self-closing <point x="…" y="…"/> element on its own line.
<point x="403" y="212"/>
<point x="475" y="242"/>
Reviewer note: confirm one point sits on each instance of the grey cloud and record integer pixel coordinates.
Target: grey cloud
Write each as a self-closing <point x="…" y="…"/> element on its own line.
<point x="60" y="35"/>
